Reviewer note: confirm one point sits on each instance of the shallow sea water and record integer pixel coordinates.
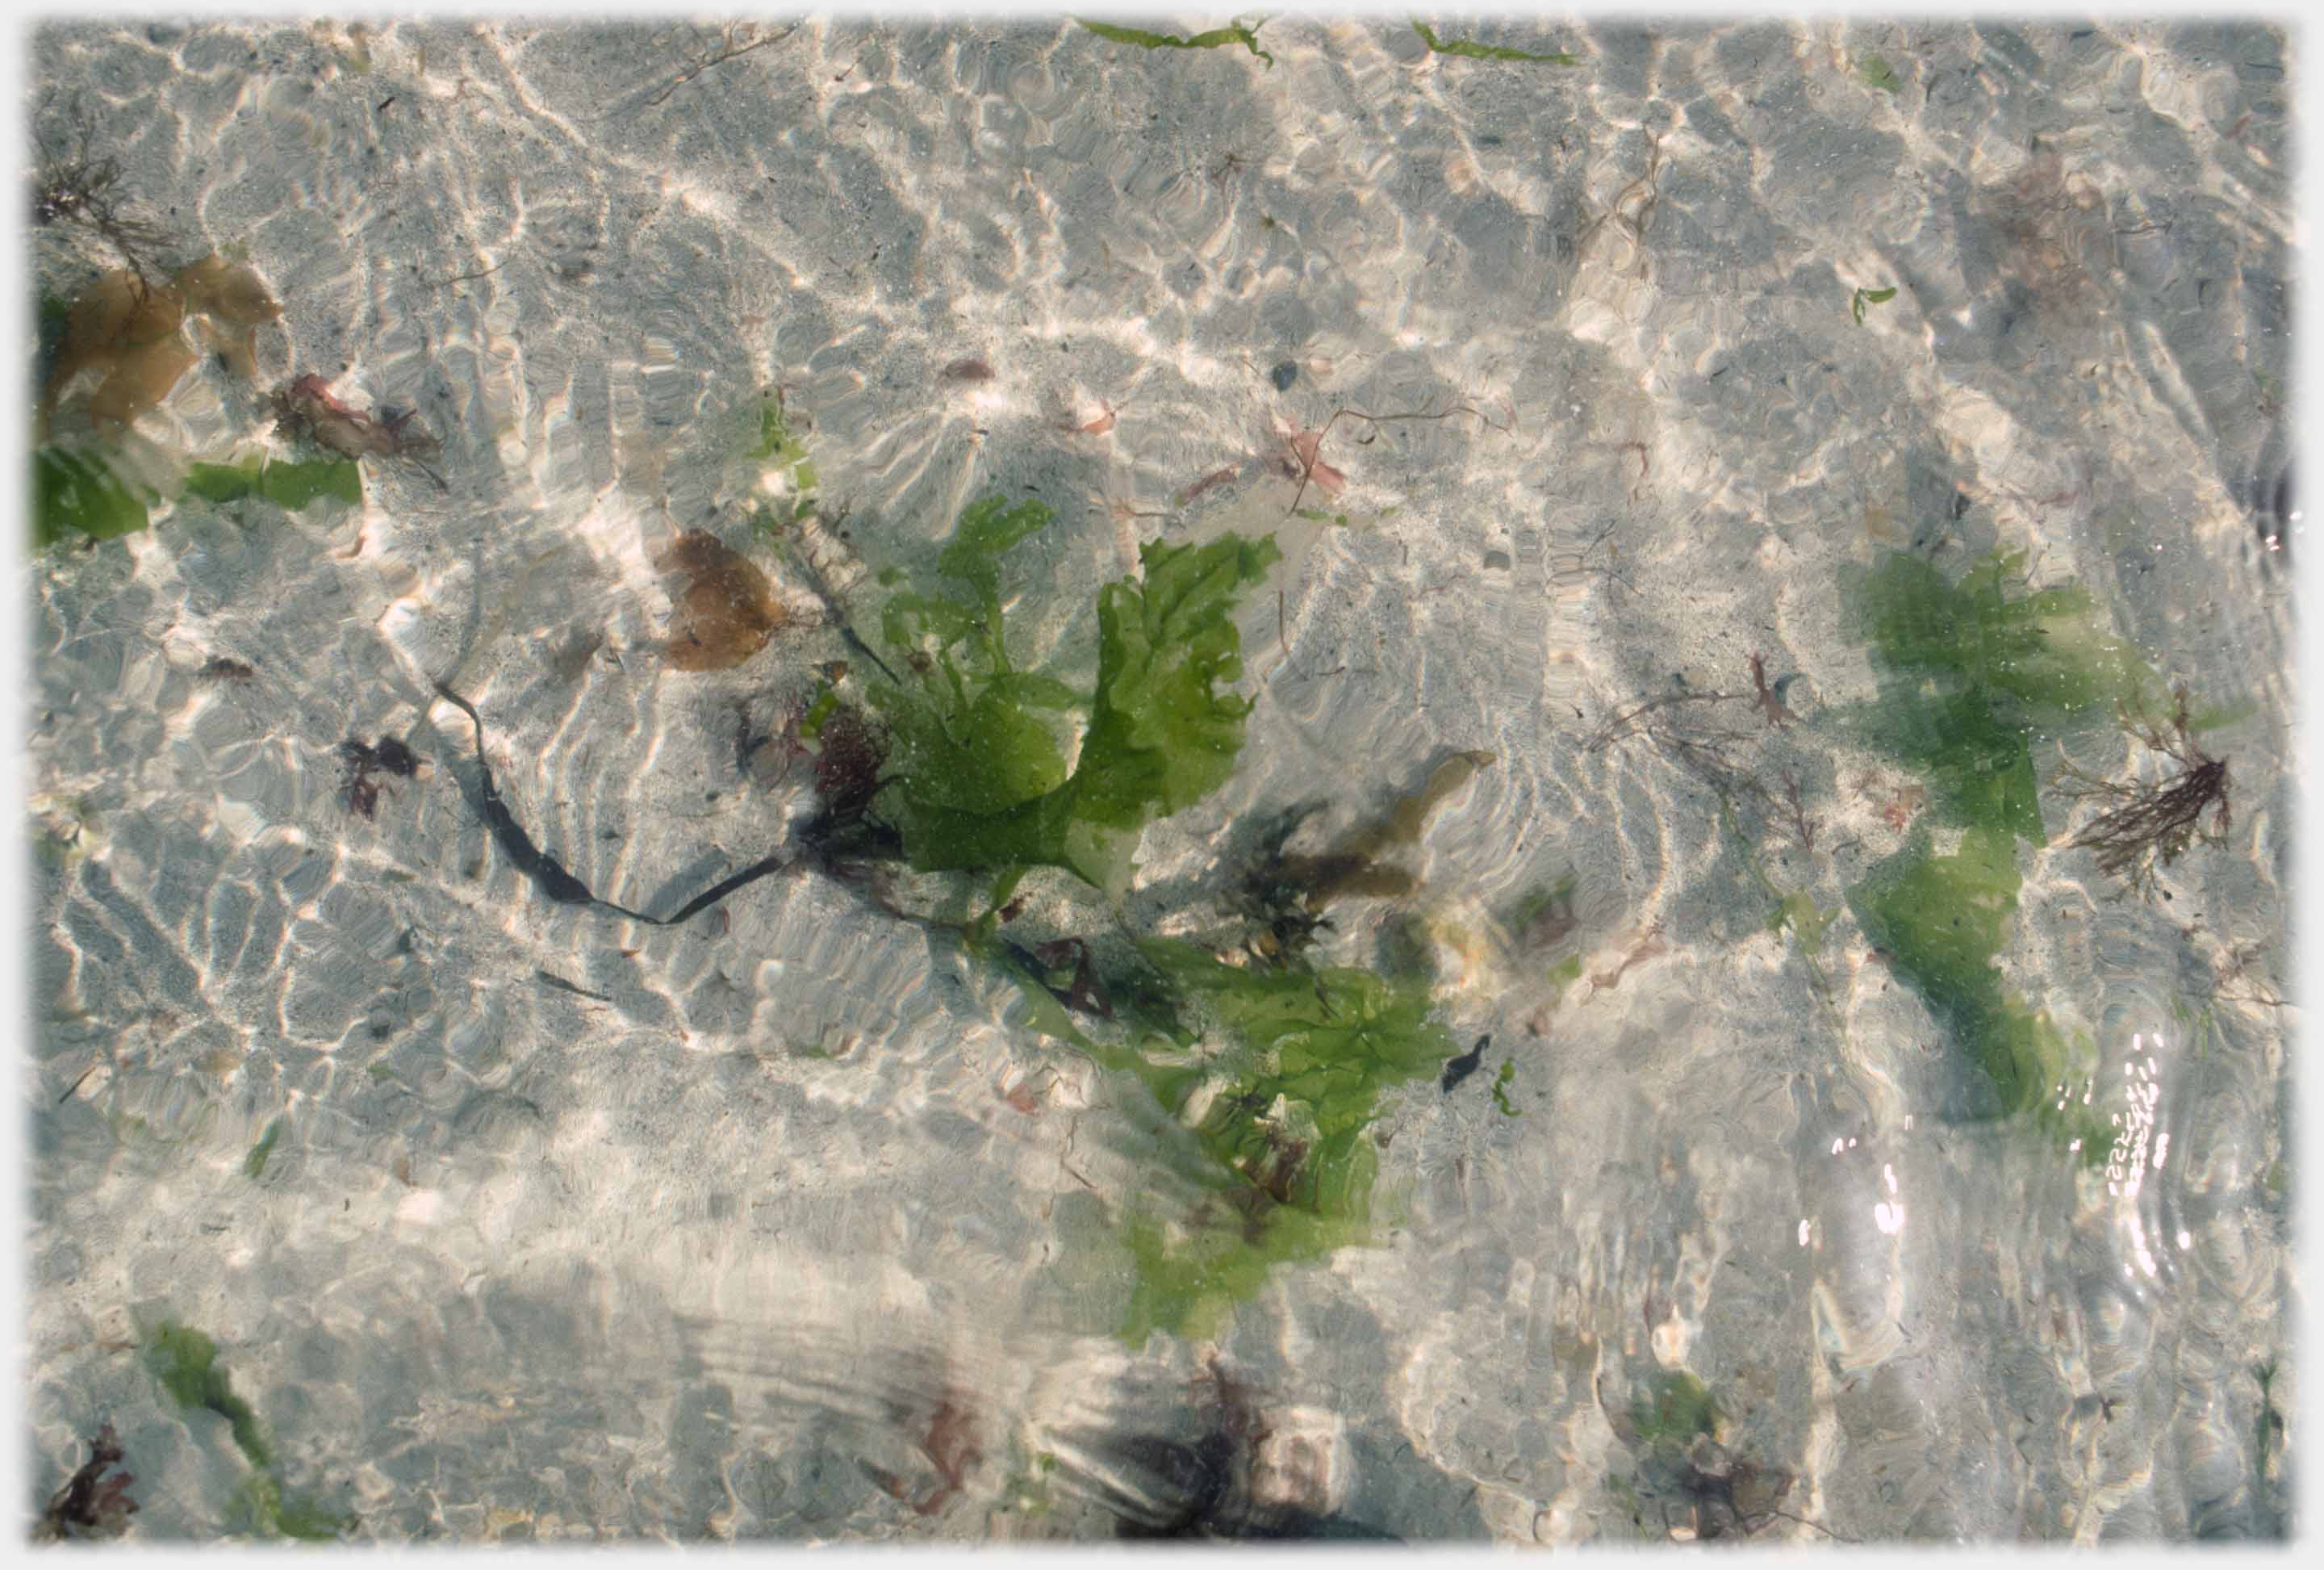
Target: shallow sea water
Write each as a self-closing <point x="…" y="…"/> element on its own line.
<point x="789" y="1222"/>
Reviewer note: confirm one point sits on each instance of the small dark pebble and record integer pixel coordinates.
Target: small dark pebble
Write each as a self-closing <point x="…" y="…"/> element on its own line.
<point x="1497" y="561"/>
<point x="1283" y="375"/>
<point x="219" y="667"/>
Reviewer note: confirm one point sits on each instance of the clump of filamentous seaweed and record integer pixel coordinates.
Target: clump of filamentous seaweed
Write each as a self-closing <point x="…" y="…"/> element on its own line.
<point x="2144" y="825"/>
<point x="76" y="189"/>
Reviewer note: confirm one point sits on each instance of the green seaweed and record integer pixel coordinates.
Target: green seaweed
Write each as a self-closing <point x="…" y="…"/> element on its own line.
<point x="79" y="492"/>
<point x="1217" y="37"/>
<point x="1978" y="761"/>
<point x="1977" y="670"/>
<point x="1501" y="1084"/>
<point x="186" y="1362"/>
<point x="980" y="776"/>
<point x="1941" y="920"/>
<point x="291" y="486"/>
<point x="261" y="1507"/>
<point x="254" y="1164"/>
<point x="1281" y="1119"/>
<point x="2042" y="647"/>
<point x="1877" y="72"/>
<point x="1672" y="1409"/>
<point x="1468" y="50"/>
<point x="780" y="449"/>
<point x="1864" y="296"/>
<point x="1807" y="922"/>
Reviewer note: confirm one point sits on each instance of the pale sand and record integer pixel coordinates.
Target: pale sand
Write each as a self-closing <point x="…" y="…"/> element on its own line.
<point x="527" y="1264"/>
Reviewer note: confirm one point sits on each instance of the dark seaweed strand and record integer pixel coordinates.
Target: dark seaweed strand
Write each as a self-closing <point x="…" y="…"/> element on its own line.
<point x="1457" y="1069"/>
<point x="545" y="870"/>
<point x="535" y="863"/>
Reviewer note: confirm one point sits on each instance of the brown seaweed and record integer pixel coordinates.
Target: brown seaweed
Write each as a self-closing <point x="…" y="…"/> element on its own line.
<point x="1283" y="894"/>
<point x="77" y="188"/>
<point x="309" y="410"/>
<point x="132" y="332"/>
<point x="2147" y="825"/>
<point x="90" y="1504"/>
<point x="726" y="612"/>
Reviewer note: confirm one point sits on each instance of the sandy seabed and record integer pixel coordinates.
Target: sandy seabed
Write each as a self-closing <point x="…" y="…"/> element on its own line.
<point x="782" y="1223"/>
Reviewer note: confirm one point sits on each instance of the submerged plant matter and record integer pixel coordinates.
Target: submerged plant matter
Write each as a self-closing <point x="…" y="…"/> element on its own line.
<point x="1698" y="1488"/>
<point x="84" y="494"/>
<point x="979" y="778"/>
<point x="308" y="410"/>
<point x="1941" y="921"/>
<point x="1217" y="37"/>
<point x="2146" y="825"/>
<point x="185" y="1361"/>
<point x="290" y="486"/>
<point x="90" y="1504"/>
<point x="1978" y="670"/>
<point x="130" y="333"/>
<point x="1283" y="894"/>
<point x="1283" y="1118"/>
<point x="80" y="189"/>
<point x="727" y="609"/>
<point x="1468" y="50"/>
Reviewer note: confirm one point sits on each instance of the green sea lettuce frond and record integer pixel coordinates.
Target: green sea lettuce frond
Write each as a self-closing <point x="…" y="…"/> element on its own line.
<point x="1941" y="920"/>
<point x="980" y="779"/>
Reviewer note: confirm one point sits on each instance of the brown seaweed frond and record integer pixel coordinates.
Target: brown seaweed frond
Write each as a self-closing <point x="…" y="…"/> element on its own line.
<point x="2145" y="825"/>
<point x="90" y="1504"/>
<point x="1722" y="1494"/>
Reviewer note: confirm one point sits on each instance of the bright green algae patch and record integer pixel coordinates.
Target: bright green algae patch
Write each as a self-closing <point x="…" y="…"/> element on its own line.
<point x="185" y="1362"/>
<point x="1282" y="1119"/>
<point x="83" y="490"/>
<point x="80" y="492"/>
<point x="288" y="486"/>
<point x="981" y="779"/>
<point x="1942" y="921"/>
<point x="1977" y="670"/>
